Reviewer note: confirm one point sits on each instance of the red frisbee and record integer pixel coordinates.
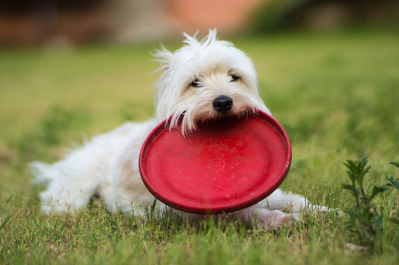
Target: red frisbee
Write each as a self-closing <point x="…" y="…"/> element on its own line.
<point x="225" y="165"/>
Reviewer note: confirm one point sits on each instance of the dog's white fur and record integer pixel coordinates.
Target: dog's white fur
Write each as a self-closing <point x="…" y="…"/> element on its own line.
<point x="108" y="165"/>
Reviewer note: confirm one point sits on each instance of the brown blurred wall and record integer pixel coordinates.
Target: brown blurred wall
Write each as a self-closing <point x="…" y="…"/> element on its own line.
<point x="63" y="22"/>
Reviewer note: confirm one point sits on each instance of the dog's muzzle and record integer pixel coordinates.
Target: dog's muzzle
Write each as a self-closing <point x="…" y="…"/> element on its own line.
<point x="223" y="103"/>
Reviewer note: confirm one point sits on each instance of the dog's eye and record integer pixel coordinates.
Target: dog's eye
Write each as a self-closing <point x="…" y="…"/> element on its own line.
<point x="234" y="78"/>
<point x="195" y="83"/>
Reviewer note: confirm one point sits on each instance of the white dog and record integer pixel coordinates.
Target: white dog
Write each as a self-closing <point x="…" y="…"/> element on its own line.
<point x="201" y="81"/>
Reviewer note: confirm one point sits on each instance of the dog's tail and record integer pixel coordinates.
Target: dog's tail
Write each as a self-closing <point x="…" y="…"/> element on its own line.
<point x="42" y="172"/>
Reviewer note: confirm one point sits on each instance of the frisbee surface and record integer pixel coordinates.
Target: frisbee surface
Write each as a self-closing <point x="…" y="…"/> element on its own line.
<point x="225" y="165"/>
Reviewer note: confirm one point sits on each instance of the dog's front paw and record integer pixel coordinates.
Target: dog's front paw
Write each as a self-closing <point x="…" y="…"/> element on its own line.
<point x="323" y="209"/>
<point x="276" y="219"/>
<point x="317" y="209"/>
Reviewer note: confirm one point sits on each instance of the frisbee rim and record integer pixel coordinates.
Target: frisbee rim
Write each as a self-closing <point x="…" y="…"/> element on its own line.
<point x="222" y="209"/>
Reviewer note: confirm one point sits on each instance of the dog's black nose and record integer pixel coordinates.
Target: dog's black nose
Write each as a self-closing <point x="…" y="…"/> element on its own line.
<point x="222" y="103"/>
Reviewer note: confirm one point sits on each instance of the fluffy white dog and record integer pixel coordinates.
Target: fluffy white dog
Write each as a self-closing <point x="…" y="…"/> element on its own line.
<point x="203" y="80"/>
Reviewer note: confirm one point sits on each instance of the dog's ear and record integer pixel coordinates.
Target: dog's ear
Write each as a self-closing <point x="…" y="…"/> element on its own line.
<point x="164" y="57"/>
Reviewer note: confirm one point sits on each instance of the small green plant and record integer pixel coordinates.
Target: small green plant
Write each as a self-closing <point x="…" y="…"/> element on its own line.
<point x="8" y="217"/>
<point x="394" y="183"/>
<point x="365" y="223"/>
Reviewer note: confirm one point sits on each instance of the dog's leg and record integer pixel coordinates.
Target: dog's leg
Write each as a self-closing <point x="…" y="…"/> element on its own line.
<point x="282" y="201"/>
<point x="263" y="218"/>
<point x="267" y="219"/>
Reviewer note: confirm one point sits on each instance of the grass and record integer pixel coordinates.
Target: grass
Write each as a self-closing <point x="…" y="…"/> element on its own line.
<point x="337" y="96"/>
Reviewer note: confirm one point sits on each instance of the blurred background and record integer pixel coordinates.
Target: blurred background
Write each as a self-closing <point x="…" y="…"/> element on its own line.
<point x="72" y="22"/>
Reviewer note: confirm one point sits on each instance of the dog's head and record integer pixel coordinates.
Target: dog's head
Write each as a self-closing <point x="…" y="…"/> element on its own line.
<point x="205" y="80"/>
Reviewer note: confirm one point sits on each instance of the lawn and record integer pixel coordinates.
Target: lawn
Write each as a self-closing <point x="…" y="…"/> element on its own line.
<point x="337" y="96"/>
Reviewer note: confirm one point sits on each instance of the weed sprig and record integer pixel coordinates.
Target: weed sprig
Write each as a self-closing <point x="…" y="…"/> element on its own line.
<point x="365" y="223"/>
